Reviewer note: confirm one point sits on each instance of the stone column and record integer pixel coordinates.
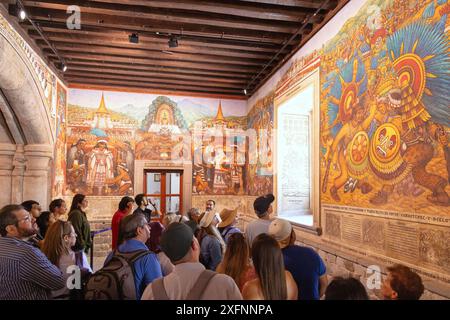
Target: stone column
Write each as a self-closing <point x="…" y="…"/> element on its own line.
<point x="7" y="152"/>
<point x="36" y="180"/>
<point x="17" y="175"/>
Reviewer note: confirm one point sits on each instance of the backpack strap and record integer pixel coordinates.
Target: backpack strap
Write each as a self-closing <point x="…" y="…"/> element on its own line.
<point x="200" y="285"/>
<point x="132" y="257"/>
<point x="158" y="290"/>
<point x="227" y="231"/>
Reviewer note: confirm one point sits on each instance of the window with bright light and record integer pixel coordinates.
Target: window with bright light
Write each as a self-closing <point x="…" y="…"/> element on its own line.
<point x="297" y="173"/>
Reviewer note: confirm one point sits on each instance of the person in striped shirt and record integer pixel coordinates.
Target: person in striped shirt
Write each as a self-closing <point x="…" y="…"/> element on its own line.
<point x="25" y="272"/>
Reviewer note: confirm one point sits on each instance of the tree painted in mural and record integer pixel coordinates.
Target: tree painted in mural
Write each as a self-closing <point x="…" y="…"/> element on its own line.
<point x="385" y="108"/>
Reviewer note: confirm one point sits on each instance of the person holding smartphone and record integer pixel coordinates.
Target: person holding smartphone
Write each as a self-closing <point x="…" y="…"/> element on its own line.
<point x="143" y="203"/>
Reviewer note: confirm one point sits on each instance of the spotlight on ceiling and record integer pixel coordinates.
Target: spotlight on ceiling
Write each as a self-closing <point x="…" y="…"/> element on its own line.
<point x="22" y="14"/>
<point x="64" y="67"/>
<point x="245" y="91"/>
<point x="134" y="38"/>
<point x="173" y="42"/>
<point x="16" y="11"/>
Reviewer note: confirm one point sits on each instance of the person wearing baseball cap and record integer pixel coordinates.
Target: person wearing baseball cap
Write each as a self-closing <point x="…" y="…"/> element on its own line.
<point x="305" y="265"/>
<point x="263" y="209"/>
<point x="189" y="279"/>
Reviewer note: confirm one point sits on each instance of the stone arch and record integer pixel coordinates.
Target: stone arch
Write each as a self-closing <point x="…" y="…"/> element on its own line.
<point x="21" y="89"/>
<point x="27" y="140"/>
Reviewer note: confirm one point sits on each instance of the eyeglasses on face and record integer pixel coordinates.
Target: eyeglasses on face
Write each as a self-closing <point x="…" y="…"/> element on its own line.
<point x="28" y="217"/>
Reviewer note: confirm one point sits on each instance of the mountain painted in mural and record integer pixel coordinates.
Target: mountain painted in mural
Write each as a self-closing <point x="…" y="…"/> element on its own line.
<point x="103" y="142"/>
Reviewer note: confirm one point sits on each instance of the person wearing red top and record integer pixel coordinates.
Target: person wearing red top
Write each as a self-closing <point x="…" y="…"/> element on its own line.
<point x="125" y="208"/>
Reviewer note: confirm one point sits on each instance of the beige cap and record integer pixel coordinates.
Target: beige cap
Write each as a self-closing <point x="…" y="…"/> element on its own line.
<point x="280" y="229"/>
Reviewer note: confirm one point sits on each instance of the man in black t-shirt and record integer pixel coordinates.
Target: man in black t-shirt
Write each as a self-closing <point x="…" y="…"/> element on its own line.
<point x="142" y="203"/>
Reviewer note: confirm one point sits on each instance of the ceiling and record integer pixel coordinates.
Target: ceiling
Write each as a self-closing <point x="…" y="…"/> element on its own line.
<point x="224" y="46"/>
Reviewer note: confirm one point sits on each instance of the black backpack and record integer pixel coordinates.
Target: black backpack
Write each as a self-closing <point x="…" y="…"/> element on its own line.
<point x="115" y="281"/>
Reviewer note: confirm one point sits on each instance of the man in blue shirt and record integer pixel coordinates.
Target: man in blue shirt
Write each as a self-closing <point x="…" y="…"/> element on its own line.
<point x="26" y="273"/>
<point x="305" y="265"/>
<point x="136" y="231"/>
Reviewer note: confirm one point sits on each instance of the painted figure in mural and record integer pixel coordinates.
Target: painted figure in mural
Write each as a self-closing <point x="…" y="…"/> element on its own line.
<point x="405" y="145"/>
<point x="237" y="170"/>
<point x="100" y="168"/>
<point x="76" y="166"/>
<point x="129" y="158"/>
<point x="122" y="182"/>
<point x="76" y="154"/>
<point x="349" y="150"/>
<point x="417" y="96"/>
<point x="209" y="163"/>
<point x="405" y="149"/>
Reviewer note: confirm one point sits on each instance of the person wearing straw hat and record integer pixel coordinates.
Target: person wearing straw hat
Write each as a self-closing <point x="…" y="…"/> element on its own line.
<point x="228" y="225"/>
<point x="305" y="265"/>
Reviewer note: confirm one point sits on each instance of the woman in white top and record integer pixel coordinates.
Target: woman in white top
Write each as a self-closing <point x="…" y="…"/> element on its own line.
<point x="58" y="243"/>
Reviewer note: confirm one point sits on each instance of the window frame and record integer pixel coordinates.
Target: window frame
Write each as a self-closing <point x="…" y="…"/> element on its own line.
<point x="312" y="78"/>
<point x="163" y="196"/>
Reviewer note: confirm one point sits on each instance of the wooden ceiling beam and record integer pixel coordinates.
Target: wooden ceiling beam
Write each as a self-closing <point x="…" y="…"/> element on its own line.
<point x="311" y="4"/>
<point x="123" y="42"/>
<point x="154" y="54"/>
<point x="87" y="79"/>
<point x="223" y="7"/>
<point x="144" y="14"/>
<point x="152" y="62"/>
<point x="75" y="84"/>
<point x="164" y="69"/>
<point x="185" y="40"/>
<point x="151" y="79"/>
<point x="154" y="74"/>
<point x="210" y="42"/>
<point x="136" y="25"/>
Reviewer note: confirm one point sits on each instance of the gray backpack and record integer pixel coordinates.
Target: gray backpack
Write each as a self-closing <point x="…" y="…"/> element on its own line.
<point x="115" y="281"/>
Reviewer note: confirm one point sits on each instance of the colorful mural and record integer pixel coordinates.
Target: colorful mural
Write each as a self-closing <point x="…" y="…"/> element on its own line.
<point x="219" y="155"/>
<point x="260" y="170"/>
<point x="59" y="176"/>
<point x="103" y="141"/>
<point x="385" y="108"/>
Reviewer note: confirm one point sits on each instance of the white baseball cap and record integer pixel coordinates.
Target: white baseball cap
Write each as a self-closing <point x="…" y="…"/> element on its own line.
<point x="280" y="229"/>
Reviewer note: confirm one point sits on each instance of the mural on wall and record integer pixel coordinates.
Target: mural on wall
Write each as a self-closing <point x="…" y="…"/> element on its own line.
<point x="163" y="132"/>
<point x="219" y="154"/>
<point x="260" y="170"/>
<point x="385" y="108"/>
<point x="103" y="141"/>
<point x="59" y="176"/>
<point x="100" y="150"/>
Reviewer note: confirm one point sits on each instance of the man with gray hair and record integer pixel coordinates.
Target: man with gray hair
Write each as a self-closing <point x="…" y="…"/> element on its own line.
<point x="135" y="232"/>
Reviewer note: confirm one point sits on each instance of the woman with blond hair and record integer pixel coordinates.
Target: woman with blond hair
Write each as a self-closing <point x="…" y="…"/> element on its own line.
<point x="212" y="246"/>
<point x="57" y="246"/>
<point x="236" y="261"/>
